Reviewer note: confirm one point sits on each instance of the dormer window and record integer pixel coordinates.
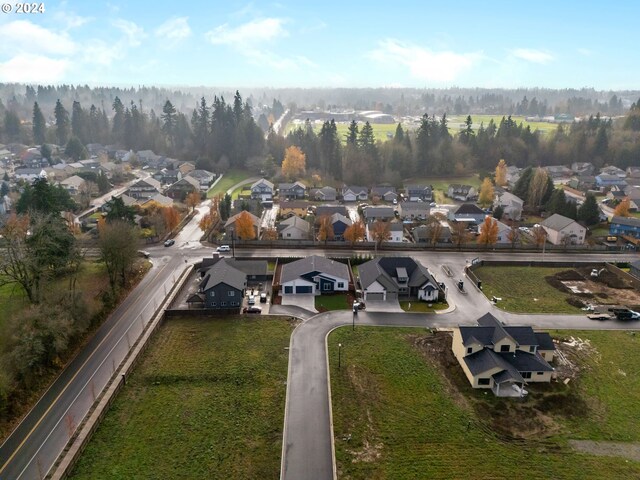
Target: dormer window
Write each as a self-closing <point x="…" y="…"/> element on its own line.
<point x="505" y="348"/>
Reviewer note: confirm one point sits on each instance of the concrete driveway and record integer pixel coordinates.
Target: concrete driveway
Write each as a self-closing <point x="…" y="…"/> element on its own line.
<point x="383" y="306"/>
<point x="308" y="302"/>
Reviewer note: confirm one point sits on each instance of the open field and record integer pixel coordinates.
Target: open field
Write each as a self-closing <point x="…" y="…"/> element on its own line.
<point x="456" y="122"/>
<point x="333" y="302"/>
<point x="524" y="289"/>
<point x="442" y="183"/>
<point x="207" y="401"/>
<point x="381" y="131"/>
<point x="400" y="412"/>
<point x="229" y="179"/>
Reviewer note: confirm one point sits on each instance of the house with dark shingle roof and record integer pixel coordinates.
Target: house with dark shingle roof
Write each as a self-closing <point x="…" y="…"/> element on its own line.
<point x="324" y="194"/>
<point x="352" y="193"/>
<point x="625" y="226"/>
<point x="393" y="278"/>
<point x="388" y="194"/>
<point x="499" y="357"/>
<point x="469" y="212"/>
<point x="419" y="192"/>
<point x="223" y="286"/>
<point x="314" y="275"/>
<point x="373" y="213"/>
<point x="291" y="191"/>
<point x="561" y="229"/>
<point x="460" y="192"/>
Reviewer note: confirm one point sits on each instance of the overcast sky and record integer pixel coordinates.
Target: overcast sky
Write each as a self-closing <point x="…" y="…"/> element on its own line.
<point x="509" y="44"/>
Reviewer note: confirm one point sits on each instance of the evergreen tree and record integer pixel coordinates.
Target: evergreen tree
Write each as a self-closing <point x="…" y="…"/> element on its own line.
<point x="117" y="129"/>
<point x="62" y="123"/>
<point x="589" y="213"/>
<point x="169" y="122"/>
<point x="79" y="122"/>
<point x="75" y="149"/>
<point x="521" y="188"/>
<point x="12" y="126"/>
<point x="352" y="133"/>
<point x="39" y="125"/>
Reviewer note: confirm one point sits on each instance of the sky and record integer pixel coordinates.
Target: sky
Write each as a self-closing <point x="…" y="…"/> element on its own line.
<point x="497" y="44"/>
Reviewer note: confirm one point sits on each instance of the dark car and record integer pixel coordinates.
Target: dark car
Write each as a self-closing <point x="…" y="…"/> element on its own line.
<point x="169" y="242"/>
<point x="251" y="310"/>
<point x="263" y="297"/>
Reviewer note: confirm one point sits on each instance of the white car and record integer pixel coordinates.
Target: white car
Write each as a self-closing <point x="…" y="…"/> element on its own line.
<point x="223" y="248"/>
<point x="252" y="300"/>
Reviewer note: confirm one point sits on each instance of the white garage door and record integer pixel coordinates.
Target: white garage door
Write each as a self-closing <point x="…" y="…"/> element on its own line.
<point x="374" y="296"/>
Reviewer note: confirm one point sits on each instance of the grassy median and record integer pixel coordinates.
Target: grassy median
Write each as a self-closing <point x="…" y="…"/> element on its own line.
<point x="207" y="401"/>
<point x="401" y="412"/>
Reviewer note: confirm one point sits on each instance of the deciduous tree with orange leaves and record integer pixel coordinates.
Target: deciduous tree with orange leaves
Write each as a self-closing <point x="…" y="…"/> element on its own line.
<point x="193" y="200"/>
<point x="171" y="218"/>
<point x="325" y="230"/>
<point x="355" y="233"/>
<point x="294" y="163"/>
<point x="622" y="209"/>
<point x="380" y="232"/>
<point x="488" y="231"/>
<point x="244" y="227"/>
<point x="501" y="173"/>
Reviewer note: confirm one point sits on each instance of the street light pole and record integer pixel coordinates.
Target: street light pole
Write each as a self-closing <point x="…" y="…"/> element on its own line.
<point x="339" y="354"/>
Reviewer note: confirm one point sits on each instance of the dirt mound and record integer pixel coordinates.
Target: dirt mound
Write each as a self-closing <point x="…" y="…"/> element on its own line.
<point x="569" y="275"/>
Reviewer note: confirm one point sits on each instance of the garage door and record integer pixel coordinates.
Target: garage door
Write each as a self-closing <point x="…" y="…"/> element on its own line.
<point x="392" y="296"/>
<point x="303" y="289"/>
<point x="374" y="296"/>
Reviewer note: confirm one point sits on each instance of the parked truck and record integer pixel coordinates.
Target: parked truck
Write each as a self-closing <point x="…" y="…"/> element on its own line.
<point x="625" y="314"/>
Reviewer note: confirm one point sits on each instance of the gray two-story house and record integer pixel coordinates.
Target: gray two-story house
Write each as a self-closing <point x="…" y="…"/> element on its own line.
<point x="292" y="191"/>
<point x="262" y="190"/>
<point x="223" y="286"/>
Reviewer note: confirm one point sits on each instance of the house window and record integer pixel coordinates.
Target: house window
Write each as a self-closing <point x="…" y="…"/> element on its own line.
<point x="213" y="304"/>
<point x="525" y="374"/>
<point x="539" y="373"/>
<point x="505" y="348"/>
<point x="469" y="350"/>
<point x="223" y="304"/>
<point x="212" y="294"/>
<point x="532" y="348"/>
<point x="326" y="286"/>
<point x="288" y="235"/>
<point x="340" y="284"/>
<point x="484" y="381"/>
<point x="234" y="304"/>
<point x="231" y="293"/>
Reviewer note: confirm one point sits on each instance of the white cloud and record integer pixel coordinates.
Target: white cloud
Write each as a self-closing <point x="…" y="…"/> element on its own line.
<point x="99" y="52"/>
<point x="247" y="34"/>
<point x="132" y="32"/>
<point x="29" y="68"/>
<point x="174" y="29"/>
<point x="423" y="63"/>
<point x="24" y="36"/>
<point x="531" y="55"/>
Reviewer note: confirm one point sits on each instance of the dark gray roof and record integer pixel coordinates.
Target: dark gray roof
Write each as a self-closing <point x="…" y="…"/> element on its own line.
<point x="628" y="221"/>
<point x="250" y="267"/>
<point x="330" y="210"/>
<point x="506" y="376"/>
<point x="371" y="272"/>
<point x="469" y="209"/>
<point x="557" y="222"/>
<point x="490" y="331"/>
<point x="636" y="264"/>
<point x="378" y="212"/>
<point x="314" y="263"/>
<point x="384" y="271"/>
<point x="223" y="272"/>
<point x="526" y="362"/>
<point x="545" y="342"/>
<point x="199" y="174"/>
<point x="382" y="190"/>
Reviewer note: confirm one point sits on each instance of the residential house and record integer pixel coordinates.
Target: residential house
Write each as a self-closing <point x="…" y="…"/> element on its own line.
<point x="561" y="230"/>
<point x="629" y="226"/>
<point x="144" y="188"/>
<point x="110" y="168"/>
<point x="582" y="168"/>
<point x="513" y="174"/>
<point x="469" y="212"/>
<point x="262" y="190"/>
<point x="371" y="213"/>
<point x="298" y="208"/>
<point x="496" y="356"/>
<point x="634" y="269"/>
<point x="187" y="167"/>
<point x="322" y="210"/>
<point x="168" y="177"/>
<point x="291" y="191"/>
<point x="558" y="172"/>
<point x="314" y="275"/>
<point x="425" y="233"/>
<point x="223" y="286"/>
<point x="339" y="223"/>
<point x="416" y="193"/>
<point x="413" y="210"/>
<point x="230" y="225"/>
<point x="159" y="199"/>
<point x="388" y="194"/>
<point x="633" y="173"/>
<point x="354" y="193"/>
<point x="464" y="193"/>
<point x="29" y="174"/>
<point x="294" y="228"/>
<point x="392" y="278"/>
<point x="204" y="178"/>
<point x="183" y="187"/>
<point x="324" y="194"/>
<point x="73" y="184"/>
<point x="503" y="231"/>
<point x="605" y="180"/>
<point x="396" y="232"/>
<point x="96" y="149"/>
<point x="612" y="170"/>
<point x="255" y="270"/>
<point x="511" y="205"/>
<point x="147" y="157"/>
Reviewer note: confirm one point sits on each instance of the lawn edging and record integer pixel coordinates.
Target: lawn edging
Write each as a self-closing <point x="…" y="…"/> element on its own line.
<point x="78" y="442"/>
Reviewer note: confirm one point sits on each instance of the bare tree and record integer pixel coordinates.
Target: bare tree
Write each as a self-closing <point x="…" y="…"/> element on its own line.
<point x="459" y="234"/>
<point x="514" y="235"/>
<point x="118" y="247"/>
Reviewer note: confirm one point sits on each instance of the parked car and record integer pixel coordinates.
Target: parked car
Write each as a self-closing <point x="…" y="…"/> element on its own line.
<point x="252" y="300"/>
<point x="263" y="297"/>
<point x="169" y="242"/>
<point x="251" y="310"/>
<point x="357" y="304"/>
<point x="223" y="248"/>
<point x="144" y="253"/>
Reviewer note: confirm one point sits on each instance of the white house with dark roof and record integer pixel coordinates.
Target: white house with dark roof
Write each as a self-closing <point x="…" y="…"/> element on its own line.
<point x="294" y="228"/>
<point x="414" y="210"/>
<point x="314" y="275"/>
<point x="511" y="204"/>
<point x="145" y="188"/>
<point x="354" y="193"/>
<point x="396" y="231"/>
<point x="464" y="193"/>
<point x="373" y="213"/>
<point x="561" y="230"/>
<point x="203" y="177"/>
<point x="386" y="193"/>
<point x="262" y="190"/>
<point x="469" y="212"/>
<point x="324" y="194"/>
<point x="499" y="357"/>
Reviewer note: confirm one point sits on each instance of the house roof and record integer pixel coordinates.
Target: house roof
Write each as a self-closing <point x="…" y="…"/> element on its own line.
<point x="161" y="199"/>
<point x="508" y="198"/>
<point x="557" y="222"/>
<point x="382" y="190"/>
<point x="294" y="204"/>
<point x="330" y="210"/>
<point x="458" y="188"/>
<point x="190" y="180"/>
<point x="295" y="222"/>
<point x="289" y="186"/>
<point x="28" y="171"/>
<point x="355" y="189"/>
<point x="418" y="188"/>
<point x="262" y="181"/>
<point x="384" y="270"/>
<point x="414" y="207"/>
<point x="378" y="212"/>
<point x="250" y="267"/>
<point x="223" y="272"/>
<point x="628" y="221"/>
<point x="324" y="191"/>
<point x="338" y="217"/>
<point x="469" y="209"/>
<point x="232" y="220"/>
<point x="74" y="181"/>
<point x="314" y="263"/>
<point x="545" y="342"/>
<point x="200" y="174"/>
<point x="152" y="182"/>
<point x="396" y="227"/>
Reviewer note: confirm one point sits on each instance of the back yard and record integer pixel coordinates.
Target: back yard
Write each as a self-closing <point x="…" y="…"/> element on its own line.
<point x="403" y="409"/>
<point x="207" y="401"/>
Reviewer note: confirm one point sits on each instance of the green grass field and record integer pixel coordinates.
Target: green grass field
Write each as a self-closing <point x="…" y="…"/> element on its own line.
<point x="442" y="183"/>
<point x="207" y="401"/>
<point x="380" y="131"/>
<point x="395" y="415"/>
<point x="456" y="122"/>
<point x="229" y="179"/>
<point x="332" y="302"/>
<point x="422" y="307"/>
<point x="524" y="289"/>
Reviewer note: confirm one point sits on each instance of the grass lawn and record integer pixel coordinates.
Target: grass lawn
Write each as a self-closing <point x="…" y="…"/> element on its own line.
<point x="456" y="122"/>
<point x="599" y="232"/>
<point x="422" y="307"/>
<point x="442" y="183"/>
<point x="338" y="301"/>
<point x="228" y="180"/>
<point x="380" y="130"/>
<point x="396" y="416"/>
<point x="524" y="289"/>
<point x="207" y="401"/>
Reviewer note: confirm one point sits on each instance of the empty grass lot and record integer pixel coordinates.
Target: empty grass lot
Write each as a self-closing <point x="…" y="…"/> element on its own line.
<point x="207" y="401"/>
<point x="332" y="302"/>
<point x="395" y="416"/>
<point x="228" y="180"/>
<point x="524" y="289"/>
